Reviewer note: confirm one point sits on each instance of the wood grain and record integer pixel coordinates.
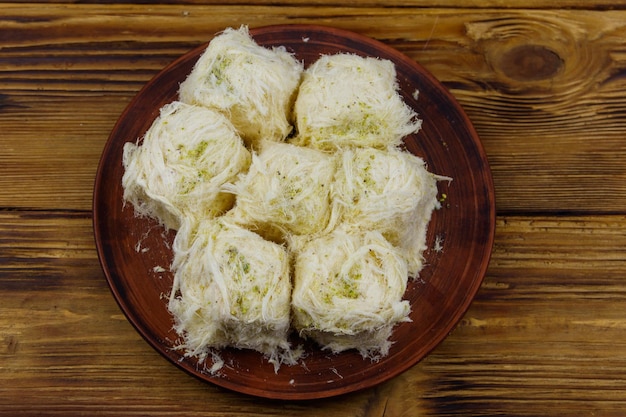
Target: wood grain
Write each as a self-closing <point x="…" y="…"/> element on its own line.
<point x="525" y="77"/>
<point x="473" y="4"/>
<point x="543" y="83"/>
<point x="527" y="339"/>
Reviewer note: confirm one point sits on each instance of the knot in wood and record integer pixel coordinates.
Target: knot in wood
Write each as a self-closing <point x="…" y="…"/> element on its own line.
<point x="530" y="63"/>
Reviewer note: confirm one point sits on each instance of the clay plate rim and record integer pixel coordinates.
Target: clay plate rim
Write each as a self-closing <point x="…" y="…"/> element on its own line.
<point x="130" y="248"/>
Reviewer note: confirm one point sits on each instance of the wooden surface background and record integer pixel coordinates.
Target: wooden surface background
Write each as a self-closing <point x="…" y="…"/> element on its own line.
<point x="544" y="83"/>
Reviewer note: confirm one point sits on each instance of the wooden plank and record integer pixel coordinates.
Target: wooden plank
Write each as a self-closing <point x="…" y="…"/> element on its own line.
<point x="527" y="78"/>
<point x="477" y="4"/>
<point x="545" y="335"/>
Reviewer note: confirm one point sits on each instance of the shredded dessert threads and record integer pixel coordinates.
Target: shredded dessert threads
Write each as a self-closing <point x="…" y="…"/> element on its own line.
<point x="285" y="191"/>
<point x="231" y="288"/>
<point x="179" y="168"/>
<point x="296" y="209"/>
<point x="348" y="289"/>
<point x="390" y="191"/>
<point x="347" y="100"/>
<point x="255" y="86"/>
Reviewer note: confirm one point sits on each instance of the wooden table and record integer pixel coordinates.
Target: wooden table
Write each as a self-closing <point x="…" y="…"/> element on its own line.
<point x="544" y="83"/>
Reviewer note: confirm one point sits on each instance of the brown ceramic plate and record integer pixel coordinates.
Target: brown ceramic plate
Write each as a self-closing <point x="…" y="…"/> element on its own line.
<point x="131" y="250"/>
